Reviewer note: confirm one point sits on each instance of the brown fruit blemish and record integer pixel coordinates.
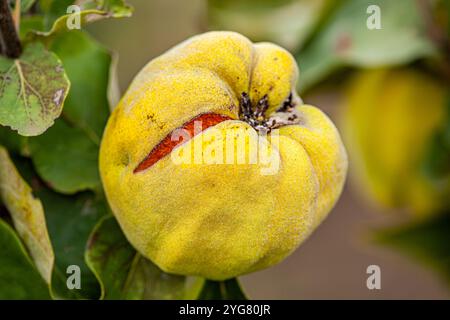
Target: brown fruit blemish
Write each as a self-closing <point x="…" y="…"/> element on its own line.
<point x="166" y="145"/>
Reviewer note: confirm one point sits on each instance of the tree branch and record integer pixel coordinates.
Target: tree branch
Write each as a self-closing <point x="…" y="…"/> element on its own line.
<point x="16" y="15"/>
<point x="9" y="39"/>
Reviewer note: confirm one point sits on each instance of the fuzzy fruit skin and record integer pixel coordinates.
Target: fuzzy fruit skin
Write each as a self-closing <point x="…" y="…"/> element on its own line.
<point x="389" y="119"/>
<point x="218" y="221"/>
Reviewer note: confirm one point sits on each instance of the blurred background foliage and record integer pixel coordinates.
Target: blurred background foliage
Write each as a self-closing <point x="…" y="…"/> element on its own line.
<point x="387" y="89"/>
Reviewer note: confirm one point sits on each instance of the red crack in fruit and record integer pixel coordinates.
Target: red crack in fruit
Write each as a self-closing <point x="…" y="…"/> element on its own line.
<point x="166" y="145"/>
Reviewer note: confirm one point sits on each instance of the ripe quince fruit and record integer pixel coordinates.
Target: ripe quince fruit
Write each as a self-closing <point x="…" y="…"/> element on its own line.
<point x="214" y="218"/>
<point x="390" y="117"/>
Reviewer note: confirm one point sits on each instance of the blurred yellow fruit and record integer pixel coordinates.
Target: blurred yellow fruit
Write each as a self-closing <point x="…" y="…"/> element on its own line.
<point x="389" y="119"/>
<point x="211" y="218"/>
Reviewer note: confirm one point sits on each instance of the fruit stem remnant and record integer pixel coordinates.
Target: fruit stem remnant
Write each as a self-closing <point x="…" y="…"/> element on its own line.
<point x="256" y="116"/>
<point x="9" y="40"/>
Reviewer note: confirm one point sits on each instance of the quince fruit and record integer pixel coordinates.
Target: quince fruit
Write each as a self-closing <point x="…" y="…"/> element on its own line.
<point x="178" y="169"/>
<point x="390" y="118"/>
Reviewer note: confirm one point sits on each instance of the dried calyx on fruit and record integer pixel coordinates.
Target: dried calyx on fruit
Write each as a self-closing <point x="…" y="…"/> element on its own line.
<point x="212" y="96"/>
<point x="285" y="115"/>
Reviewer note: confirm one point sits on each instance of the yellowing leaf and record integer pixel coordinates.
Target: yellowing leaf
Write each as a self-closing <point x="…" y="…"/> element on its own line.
<point x="27" y="214"/>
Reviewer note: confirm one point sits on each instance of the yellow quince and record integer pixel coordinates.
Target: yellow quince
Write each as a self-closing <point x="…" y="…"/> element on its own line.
<point x="211" y="163"/>
<point x="390" y="118"/>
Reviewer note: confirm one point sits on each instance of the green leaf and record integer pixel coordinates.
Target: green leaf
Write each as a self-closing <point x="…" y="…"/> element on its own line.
<point x="125" y="274"/>
<point x="90" y="11"/>
<point x="87" y="65"/>
<point x="57" y="7"/>
<point x="146" y="281"/>
<point x="30" y="23"/>
<point x="66" y="156"/>
<point x="428" y="241"/>
<point x="19" y="279"/>
<point x="66" y="159"/>
<point x="222" y="290"/>
<point x="25" y="5"/>
<point x="27" y="215"/>
<point x="114" y="8"/>
<point x="32" y="90"/>
<point x="347" y="41"/>
<point x="436" y="162"/>
<point x="13" y="141"/>
<point x="70" y="221"/>
<point x="288" y="23"/>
